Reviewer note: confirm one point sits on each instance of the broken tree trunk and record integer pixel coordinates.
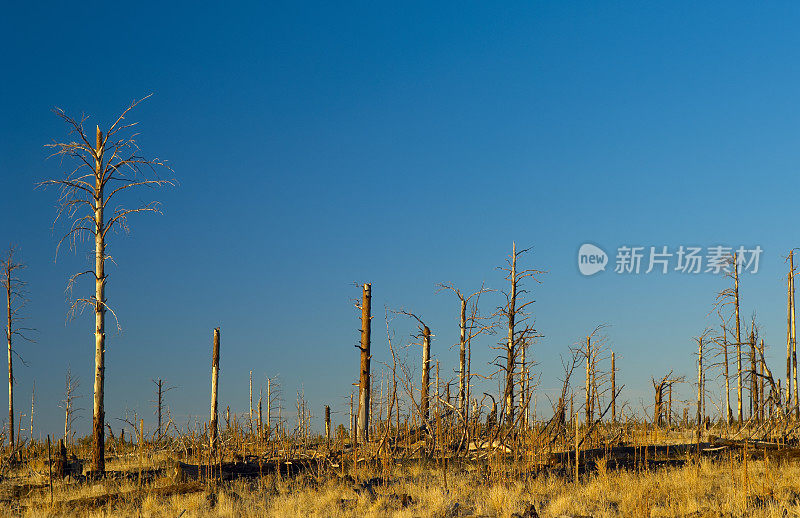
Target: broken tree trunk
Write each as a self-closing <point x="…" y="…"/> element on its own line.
<point x="753" y="377"/>
<point x="327" y="424"/>
<point x="362" y="428"/>
<point x="462" y="361"/>
<point x="794" y="343"/>
<point x="510" y="346"/>
<point x="738" y="340"/>
<point x="727" y="398"/>
<point x="589" y="405"/>
<point x="613" y="389"/>
<point x="212" y="432"/>
<point x="8" y="267"/>
<point x="699" y="386"/>
<point x="426" y="376"/>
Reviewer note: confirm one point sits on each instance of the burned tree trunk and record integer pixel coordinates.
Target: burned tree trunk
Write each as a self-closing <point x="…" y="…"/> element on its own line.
<point x="104" y="169"/>
<point x="753" y="376"/>
<point x="510" y="346"/>
<point x="426" y="376"/>
<point x="739" y="413"/>
<point x="699" y="386"/>
<point x="794" y="343"/>
<point x="613" y="389"/>
<point x="362" y="428"/>
<point x="589" y="404"/>
<point x="212" y="429"/>
<point x="327" y="424"/>
<point x="727" y="399"/>
<point x="98" y="419"/>
<point x="462" y="361"/>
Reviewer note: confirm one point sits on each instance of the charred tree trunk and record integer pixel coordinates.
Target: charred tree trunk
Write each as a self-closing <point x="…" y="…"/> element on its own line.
<point x="589" y="404"/>
<point x="753" y="377"/>
<point x="699" y="386"/>
<point x="426" y="376"/>
<point x="160" y="394"/>
<point x="8" y="267"/>
<point x="462" y="361"/>
<point x="362" y="428"/>
<point x="99" y="415"/>
<point x="510" y="346"/>
<point x="212" y="429"/>
<point x="789" y="340"/>
<point x="794" y="344"/>
<point x="727" y="399"/>
<point x="327" y="424"/>
<point x="739" y="413"/>
<point x="613" y="389"/>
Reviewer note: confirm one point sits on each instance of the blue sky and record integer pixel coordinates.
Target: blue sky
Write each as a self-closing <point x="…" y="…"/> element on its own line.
<point x="318" y="145"/>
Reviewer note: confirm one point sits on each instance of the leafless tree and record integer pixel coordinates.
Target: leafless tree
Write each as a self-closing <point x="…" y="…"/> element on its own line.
<point x="730" y="297"/>
<point x="15" y="302"/>
<point x="424" y="337"/>
<point x="72" y="384"/>
<point x="101" y="170"/>
<point x="520" y="331"/>
<point x="364" y="387"/>
<point x="161" y="391"/>
<point x="469" y="328"/>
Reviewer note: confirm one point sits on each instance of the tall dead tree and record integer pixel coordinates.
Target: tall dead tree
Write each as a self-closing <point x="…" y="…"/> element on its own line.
<point x="519" y="333"/>
<point x="589" y="405"/>
<point x="794" y="338"/>
<point x="789" y="338"/>
<point x="738" y="340"/>
<point x="362" y="426"/>
<point x="102" y="169"/>
<point x="15" y="301"/>
<point x="212" y="427"/>
<point x="730" y="296"/>
<point x="753" y="375"/>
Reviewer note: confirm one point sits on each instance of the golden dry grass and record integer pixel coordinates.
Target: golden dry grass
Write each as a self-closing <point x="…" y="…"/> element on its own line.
<point x="709" y="488"/>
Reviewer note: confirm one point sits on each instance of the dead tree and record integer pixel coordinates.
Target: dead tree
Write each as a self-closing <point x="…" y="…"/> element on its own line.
<point x="327" y="424"/>
<point x="614" y="388"/>
<point x="700" y="342"/>
<point x="159" y="402"/>
<point x="727" y="399"/>
<point x="515" y="315"/>
<point x="730" y="296"/>
<point x="738" y="339"/>
<point x="789" y="337"/>
<point x="753" y="375"/>
<point x="104" y="167"/>
<point x="212" y="428"/>
<point x="662" y="408"/>
<point x="362" y="426"/>
<point x="424" y="337"/>
<point x="15" y="301"/>
<point x="791" y="347"/>
<point x="70" y="397"/>
<point x="468" y="329"/>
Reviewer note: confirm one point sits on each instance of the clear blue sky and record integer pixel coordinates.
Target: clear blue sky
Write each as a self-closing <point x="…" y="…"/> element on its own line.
<point x="320" y="145"/>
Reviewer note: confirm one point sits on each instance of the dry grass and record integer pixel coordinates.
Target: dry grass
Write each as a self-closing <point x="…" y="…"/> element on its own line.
<point x="704" y="489"/>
